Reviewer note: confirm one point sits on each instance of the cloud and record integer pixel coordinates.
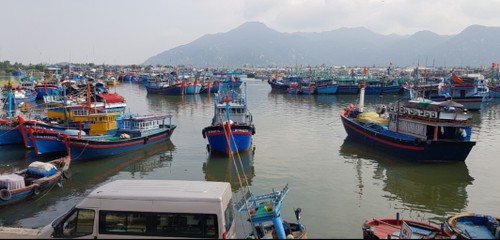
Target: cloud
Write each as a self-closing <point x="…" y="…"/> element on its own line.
<point x="130" y="31"/>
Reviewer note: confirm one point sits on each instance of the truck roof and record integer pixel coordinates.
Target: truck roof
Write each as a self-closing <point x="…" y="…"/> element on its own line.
<point x="172" y="190"/>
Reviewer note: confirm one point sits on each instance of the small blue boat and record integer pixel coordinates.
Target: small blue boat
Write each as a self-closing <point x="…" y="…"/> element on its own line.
<point x="264" y="212"/>
<point x="232" y="121"/>
<point x="33" y="181"/>
<point x="473" y="226"/>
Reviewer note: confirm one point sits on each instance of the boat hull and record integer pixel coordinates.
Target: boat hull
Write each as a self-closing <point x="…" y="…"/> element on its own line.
<point x="37" y="186"/>
<point x="473" y="226"/>
<point x="390" y="228"/>
<point x="411" y="149"/>
<point x="170" y="90"/>
<point x="10" y="135"/>
<point x="241" y="138"/>
<point x="88" y="148"/>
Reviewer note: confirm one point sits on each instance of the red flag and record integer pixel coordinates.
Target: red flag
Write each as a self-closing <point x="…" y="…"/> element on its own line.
<point x="365" y="70"/>
<point x="456" y="79"/>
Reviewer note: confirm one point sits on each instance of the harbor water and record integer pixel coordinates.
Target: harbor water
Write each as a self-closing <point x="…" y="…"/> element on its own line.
<point x="299" y="141"/>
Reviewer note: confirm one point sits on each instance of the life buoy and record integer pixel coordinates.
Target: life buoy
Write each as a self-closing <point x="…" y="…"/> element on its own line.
<point x="5" y="194"/>
<point x="66" y="174"/>
<point x="36" y="189"/>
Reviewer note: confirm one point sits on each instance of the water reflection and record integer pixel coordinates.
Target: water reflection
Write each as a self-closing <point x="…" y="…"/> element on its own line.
<point x="17" y="157"/>
<point x="220" y="168"/>
<point x="439" y="189"/>
<point x="85" y="176"/>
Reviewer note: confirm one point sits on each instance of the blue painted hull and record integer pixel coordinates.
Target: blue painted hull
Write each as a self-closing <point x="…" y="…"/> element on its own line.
<point x="344" y="89"/>
<point x="41" y="91"/>
<point x="82" y="149"/>
<point x="170" y="90"/>
<point x="241" y="139"/>
<point x="192" y="89"/>
<point x="327" y="89"/>
<point x="408" y="148"/>
<point x="391" y="90"/>
<point x="42" y="185"/>
<point x="10" y="135"/>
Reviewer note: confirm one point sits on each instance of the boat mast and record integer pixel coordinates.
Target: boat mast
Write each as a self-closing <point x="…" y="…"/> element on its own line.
<point x="362" y="91"/>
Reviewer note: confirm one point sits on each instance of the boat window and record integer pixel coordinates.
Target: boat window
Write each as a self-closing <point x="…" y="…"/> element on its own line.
<point x="189" y="225"/>
<point x="77" y="224"/>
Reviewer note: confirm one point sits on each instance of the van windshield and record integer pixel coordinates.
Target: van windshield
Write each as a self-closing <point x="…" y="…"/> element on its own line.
<point x="193" y="225"/>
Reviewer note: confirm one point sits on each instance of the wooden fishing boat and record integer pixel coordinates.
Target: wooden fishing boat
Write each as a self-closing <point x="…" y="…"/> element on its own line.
<point x="473" y="226"/>
<point x="395" y="228"/>
<point x="33" y="181"/>
<point x="417" y="129"/>
<point x="137" y="132"/>
<point x="230" y="116"/>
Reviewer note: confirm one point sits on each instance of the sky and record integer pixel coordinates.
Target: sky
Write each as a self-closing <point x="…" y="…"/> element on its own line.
<point x="125" y="32"/>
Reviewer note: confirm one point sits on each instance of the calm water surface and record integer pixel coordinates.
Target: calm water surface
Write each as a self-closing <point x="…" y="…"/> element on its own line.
<point x="299" y="140"/>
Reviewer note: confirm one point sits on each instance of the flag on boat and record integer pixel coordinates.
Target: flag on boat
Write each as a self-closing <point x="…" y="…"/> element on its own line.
<point x="456" y="79"/>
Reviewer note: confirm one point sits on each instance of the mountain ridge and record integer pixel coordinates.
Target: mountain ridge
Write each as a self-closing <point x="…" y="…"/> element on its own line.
<point x="255" y="44"/>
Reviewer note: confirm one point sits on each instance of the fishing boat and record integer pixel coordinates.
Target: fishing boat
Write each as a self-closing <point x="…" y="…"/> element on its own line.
<point x="464" y="90"/>
<point x="326" y="86"/>
<point x="396" y="228"/>
<point x="419" y="129"/>
<point x="137" y="132"/>
<point x="232" y="121"/>
<point x="473" y="226"/>
<point x="47" y="137"/>
<point x="33" y="181"/>
<point x="347" y="85"/>
<point x="164" y="87"/>
<point x="9" y="127"/>
<point x="264" y="215"/>
<point x="192" y="87"/>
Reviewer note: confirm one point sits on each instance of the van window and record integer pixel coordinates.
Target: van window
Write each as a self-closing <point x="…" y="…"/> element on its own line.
<point x="77" y="224"/>
<point x="158" y="224"/>
<point x="229" y="216"/>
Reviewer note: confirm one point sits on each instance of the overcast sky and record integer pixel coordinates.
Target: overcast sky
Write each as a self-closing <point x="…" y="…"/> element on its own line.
<point x="130" y="31"/>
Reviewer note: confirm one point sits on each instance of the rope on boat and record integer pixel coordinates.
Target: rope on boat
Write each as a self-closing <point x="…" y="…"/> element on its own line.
<point x="228" y="136"/>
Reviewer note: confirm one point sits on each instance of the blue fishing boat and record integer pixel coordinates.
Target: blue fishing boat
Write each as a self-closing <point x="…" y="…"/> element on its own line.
<point x="347" y="85"/>
<point x="137" y="132"/>
<point x="473" y="226"/>
<point x="326" y="86"/>
<point x="164" y="87"/>
<point x="9" y="127"/>
<point x="264" y="211"/>
<point x="418" y="129"/>
<point x="192" y="87"/>
<point x="33" y="181"/>
<point x="463" y="90"/>
<point x="231" y="120"/>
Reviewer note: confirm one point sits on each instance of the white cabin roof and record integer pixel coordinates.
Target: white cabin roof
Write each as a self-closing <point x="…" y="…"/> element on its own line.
<point x="172" y="190"/>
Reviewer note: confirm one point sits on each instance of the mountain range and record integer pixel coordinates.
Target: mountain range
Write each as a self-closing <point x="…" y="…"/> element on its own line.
<point x="255" y="44"/>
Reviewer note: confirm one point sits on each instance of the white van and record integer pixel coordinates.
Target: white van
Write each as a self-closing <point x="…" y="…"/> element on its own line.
<point x="149" y="209"/>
